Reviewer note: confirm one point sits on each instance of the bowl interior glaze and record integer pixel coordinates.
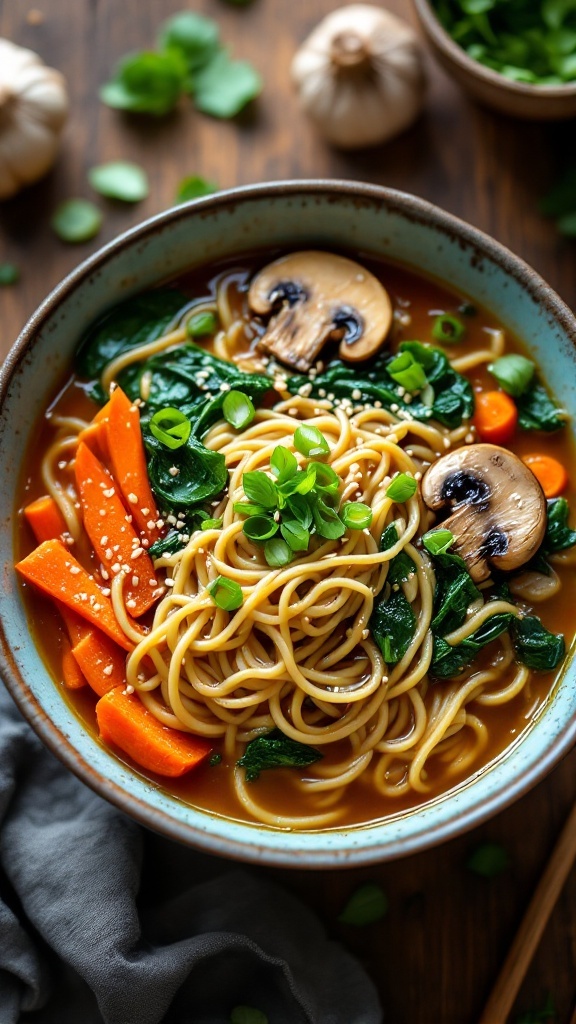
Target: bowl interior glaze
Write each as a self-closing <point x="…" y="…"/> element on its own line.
<point x="346" y="215"/>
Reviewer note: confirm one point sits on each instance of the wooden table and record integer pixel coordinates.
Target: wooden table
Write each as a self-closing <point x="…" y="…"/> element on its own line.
<point x="436" y="954"/>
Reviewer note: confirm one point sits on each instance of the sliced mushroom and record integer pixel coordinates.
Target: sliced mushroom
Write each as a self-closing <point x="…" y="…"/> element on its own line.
<point x="499" y="508"/>
<point x="315" y="296"/>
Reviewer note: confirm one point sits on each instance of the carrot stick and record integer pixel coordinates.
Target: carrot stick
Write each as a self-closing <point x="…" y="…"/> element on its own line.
<point x="95" y="435"/>
<point x="45" y="519"/>
<point x="495" y="417"/>
<point x="113" y="538"/>
<point x="71" y="674"/>
<point x="56" y="572"/>
<point x="128" y="462"/>
<point x="550" y="473"/>
<point x="125" y="722"/>
<point x="101" y="661"/>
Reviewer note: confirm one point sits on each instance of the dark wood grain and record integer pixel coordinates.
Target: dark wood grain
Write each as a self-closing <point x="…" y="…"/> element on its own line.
<point x="438" y="951"/>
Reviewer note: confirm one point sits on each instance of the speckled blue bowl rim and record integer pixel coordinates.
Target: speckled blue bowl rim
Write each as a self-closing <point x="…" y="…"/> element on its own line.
<point x="252" y="842"/>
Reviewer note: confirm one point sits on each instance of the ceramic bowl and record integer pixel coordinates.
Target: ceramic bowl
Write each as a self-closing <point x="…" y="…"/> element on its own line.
<point x="520" y="99"/>
<point x="292" y="214"/>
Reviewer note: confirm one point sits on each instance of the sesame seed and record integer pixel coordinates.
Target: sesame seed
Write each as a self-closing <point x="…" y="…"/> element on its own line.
<point x="74" y="569"/>
<point x="174" y="471"/>
<point x="101" y="511"/>
<point x="151" y="524"/>
<point x="132" y="498"/>
<point x="159" y="523"/>
<point x="169" y="582"/>
<point x="137" y="552"/>
<point x="152" y="583"/>
<point x="116" y="567"/>
<point x="108" y="554"/>
<point x="356" y="394"/>
<point x="170" y="519"/>
<point x="62" y="464"/>
<point x="145" y="511"/>
<point x="131" y="603"/>
<point x="135" y="581"/>
<point x="224" y="386"/>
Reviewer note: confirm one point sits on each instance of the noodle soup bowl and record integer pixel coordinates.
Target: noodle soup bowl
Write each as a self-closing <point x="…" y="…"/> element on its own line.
<point x="324" y="215"/>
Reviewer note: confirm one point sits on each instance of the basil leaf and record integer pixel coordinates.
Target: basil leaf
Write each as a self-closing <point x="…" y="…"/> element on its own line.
<point x="392" y="625"/>
<point x="76" y="220"/>
<point x="514" y="373"/>
<point x="9" y="274"/>
<point x="300" y="509"/>
<point x="488" y="860"/>
<point x="146" y="83"/>
<point x="295" y="535"/>
<point x="327" y="521"/>
<point x="120" y="180"/>
<point x="260" y="489"/>
<point x="275" y="750"/>
<point x="277" y="553"/>
<point x="537" y="411"/>
<point x="559" y="535"/>
<point x="194" y="187"/>
<point x="283" y="464"/>
<point x="535" y="646"/>
<point x="195" y="37"/>
<point x="367" y="904"/>
<point x="326" y="478"/>
<point x="248" y="508"/>
<point x="223" y="87"/>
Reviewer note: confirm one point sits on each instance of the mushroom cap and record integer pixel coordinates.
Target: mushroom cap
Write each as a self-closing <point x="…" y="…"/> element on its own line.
<point x="321" y="296"/>
<point x="499" y="508"/>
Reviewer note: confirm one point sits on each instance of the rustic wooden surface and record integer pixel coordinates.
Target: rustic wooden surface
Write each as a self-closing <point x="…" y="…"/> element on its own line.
<point x="438" y="951"/>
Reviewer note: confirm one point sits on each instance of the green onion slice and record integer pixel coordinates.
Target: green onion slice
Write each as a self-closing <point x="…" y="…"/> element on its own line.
<point x="283" y="464"/>
<point x="356" y="515"/>
<point x="212" y="524"/>
<point x="201" y="324"/>
<point x="310" y="441"/>
<point x="171" y="427"/>
<point x="514" y="373"/>
<point x="407" y="372"/>
<point x="326" y="477"/>
<point x="437" y="542"/>
<point x="260" y="528"/>
<point x="238" y="409"/>
<point x="277" y="552"/>
<point x="402" y="487"/>
<point x="448" y="329"/>
<point x="225" y="593"/>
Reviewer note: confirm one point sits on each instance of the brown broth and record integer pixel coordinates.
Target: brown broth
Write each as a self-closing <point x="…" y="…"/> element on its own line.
<point x="211" y="788"/>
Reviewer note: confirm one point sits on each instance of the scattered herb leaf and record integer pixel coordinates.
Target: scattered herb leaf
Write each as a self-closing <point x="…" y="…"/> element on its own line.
<point x="194" y="187"/>
<point x="368" y="904"/>
<point x="146" y="83"/>
<point x="275" y="750"/>
<point x="488" y="860"/>
<point x="120" y="180"/>
<point x="76" y="220"/>
<point x="9" y="274"/>
<point x="535" y="646"/>
<point x="224" y="86"/>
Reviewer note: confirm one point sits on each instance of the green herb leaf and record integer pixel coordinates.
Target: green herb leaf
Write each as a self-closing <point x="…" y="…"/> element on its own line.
<point x="202" y="473"/>
<point x="356" y="515"/>
<point x="224" y="86"/>
<point x="195" y="37"/>
<point x="212" y="524"/>
<point x="402" y="488"/>
<point x="298" y="507"/>
<point x="259" y="488"/>
<point x="437" y="542"/>
<point x="537" y="411"/>
<point x="514" y="373"/>
<point x="199" y="325"/>
<point x="194" y="187"/>
<point x="448" y="329"/>
<point x="392" y="625"/>
<point x="535" y="646"/>
<point x="558" y="534"/>
<point x="214" y="760"/>
<point x="9" y="274"/>
<point x="407" y="372"/>
<point x="295" y="535"/>
<point x="225" y="593"/>
<point x="171" y="427"/>
<point x="76" y="220"/>
<point x="327" y="521"/>
<point x="275" y="750"/>
<point x="248" y="508"/>
<point x="400" y="568"/>
<point x="277" y="553"/>
<point x="260" y="528"/>
<point x="238" y="409"/>
<point x="488" y="860"/>
<point x="326" y="478"/>
<point x="247" y="1015"/>
<point x="146" y="83"/>
<point x="310" y="441"/>
<point x="120" y="180"/>
<point x="283" y="464"/>
<point x="367" y="905"/>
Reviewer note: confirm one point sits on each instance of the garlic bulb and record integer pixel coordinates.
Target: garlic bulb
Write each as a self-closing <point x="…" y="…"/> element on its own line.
<point x="359" y="76"/>
<point x="33" y="109"/>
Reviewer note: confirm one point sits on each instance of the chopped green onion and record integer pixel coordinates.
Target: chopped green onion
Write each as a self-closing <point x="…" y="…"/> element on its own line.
<point x="437" y="542"/>
<point x="225" y="593"/>
<point x="238" y="409"/>
<point x="214" y="760"/>
<point x="201" y="324"/>
<point x="326" y="477"/>
<point x="327" y="521"/>
<point x="407" y="372"/>
<point x="514" y="373"/>
<point x="9" y="274"/>
<point x="356" y="515"/>
<point x="283" y="464"/>
<point x="402" y="487"/>
<point x="488" y="860"/>
<point x="296" y="536"/>
<point x="212" y="524"/>
<point x="368" y="904"/>
<point x="277" y="552"/>
<point x="310" y="442"/>
<point x="260" y="489"/>
<point x="304" y="481"/>
<point x="448" y="329"/>
<point x="260" y="528"/>
<point x="171" y="427"/>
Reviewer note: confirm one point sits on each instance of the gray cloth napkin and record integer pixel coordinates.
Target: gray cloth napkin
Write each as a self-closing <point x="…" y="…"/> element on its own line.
<point x="79" y="944"/>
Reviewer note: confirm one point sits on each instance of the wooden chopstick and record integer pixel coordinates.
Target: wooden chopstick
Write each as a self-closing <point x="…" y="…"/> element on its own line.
<point x="533" y="923"/>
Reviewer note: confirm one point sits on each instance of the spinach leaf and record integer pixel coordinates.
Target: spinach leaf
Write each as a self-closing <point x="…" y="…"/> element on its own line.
<point x="537" y="411"/>
<point x="449" y="661"/>
<point x="134" y="322"/>
<point x="172" y="541"/>
<point x="455" y="592"/>
<point x="275" y="750"/>
<point x="535" y="646"/>
<point x="401" y="567"/>
<point x="453" y="398"/>
<point x="201" y="475"/>
<point x="392" y="625"/>
<point x="558" y="534"/>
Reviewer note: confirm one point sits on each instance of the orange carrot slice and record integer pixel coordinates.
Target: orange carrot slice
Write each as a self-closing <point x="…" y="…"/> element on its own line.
<point x="124" y="721"/>
<point x="113" y="538"/>
<point x="128" y="462"/>
<point x="71" y="673"/>
<point x="56" y="572"/>
<point x="495" y="417"/>
<point x="550" y="473"/>
<point x="101" y="661"/>
<point x="45" y="519"/>
<point x="95" y="435"/>
<point x="76" y="626"/>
